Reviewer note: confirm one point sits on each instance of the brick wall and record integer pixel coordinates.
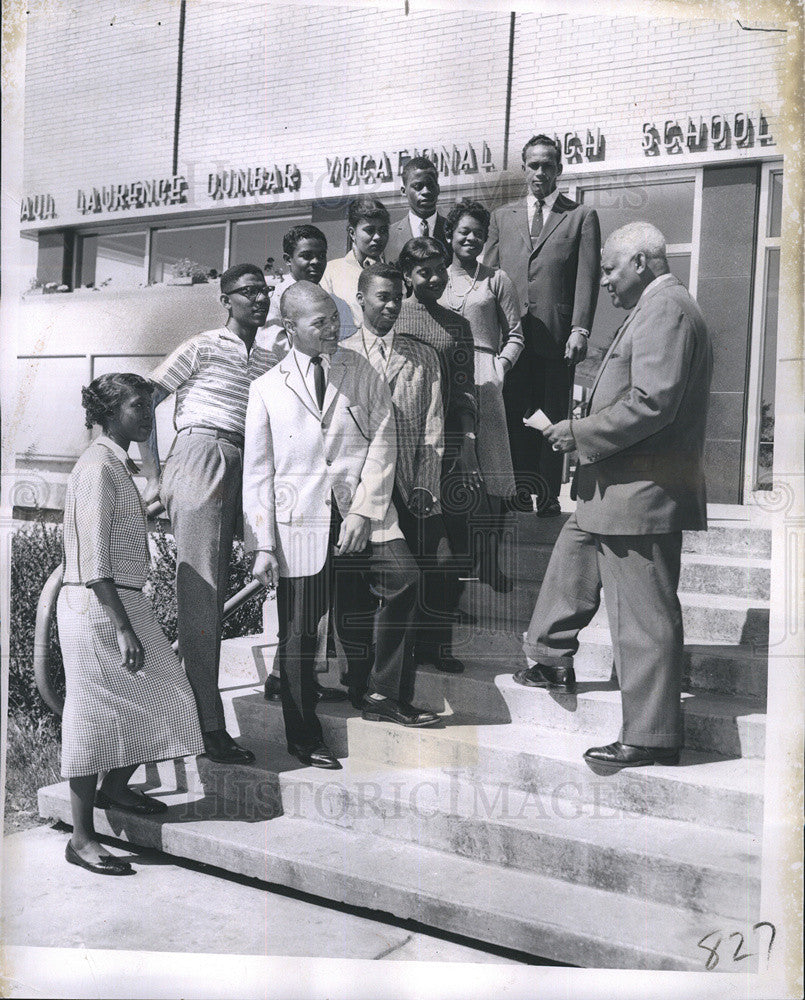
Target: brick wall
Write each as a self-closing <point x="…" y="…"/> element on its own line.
<point x="100" y="90"/>
<point x="615" y="73"/>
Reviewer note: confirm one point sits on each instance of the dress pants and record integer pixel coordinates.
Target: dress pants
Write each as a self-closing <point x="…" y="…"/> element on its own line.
<point x="201" y="490"/>
<point x="374" y="597"/>
<point x="438" y="587"/>
<point x="639" y="575"/>
<point x="536" y="383"/>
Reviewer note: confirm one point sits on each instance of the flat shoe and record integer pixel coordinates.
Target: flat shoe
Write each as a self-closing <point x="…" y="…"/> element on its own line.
<point x="617" y="755"/>
<point x="146" y="806"/>
<point x="542" y="676"/>
<point x="105" y="866"/>
<point x="318" y="756"/>
<point x="220" y="748"/>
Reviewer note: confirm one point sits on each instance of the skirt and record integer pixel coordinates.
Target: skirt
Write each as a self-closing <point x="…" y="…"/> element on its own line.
<point x="492" y="447"/>
<point x="112" y="717"/>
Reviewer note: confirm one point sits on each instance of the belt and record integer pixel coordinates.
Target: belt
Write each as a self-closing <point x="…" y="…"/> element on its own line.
<point x="120" y="586"/>
<point x="231" y="436"/>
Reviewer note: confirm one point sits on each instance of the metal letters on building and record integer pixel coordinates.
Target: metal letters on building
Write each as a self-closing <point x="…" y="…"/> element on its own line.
<point x="718" y="132"/>
<point x="376" y="168"/>
<point x="137" y="194"/>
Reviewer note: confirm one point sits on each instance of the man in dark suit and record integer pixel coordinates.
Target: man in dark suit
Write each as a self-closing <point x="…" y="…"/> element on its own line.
<point x="420" y="185"/>
<point x="550" y="247"/>
<point x="639" y="485"/>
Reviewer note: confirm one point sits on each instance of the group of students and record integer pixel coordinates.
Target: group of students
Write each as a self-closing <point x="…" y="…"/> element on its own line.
<point x="357" y="410"/>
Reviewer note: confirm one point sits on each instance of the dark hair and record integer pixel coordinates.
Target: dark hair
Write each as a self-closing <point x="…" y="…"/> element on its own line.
<point x="418" y="163"/>
<point x="292" y="239"/>
<point x="366" y="208"/>
<point x="388" y="271"/>
<point x="544" y="140"/>
<point x="466" y="207"/>
<point x="419" y="249"/>
<point x="231" y="274"/>
<point x="105" y="393"/>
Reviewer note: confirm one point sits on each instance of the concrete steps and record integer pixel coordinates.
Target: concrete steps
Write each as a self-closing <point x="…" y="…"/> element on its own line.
<point x="521" y="910"/>
<point x="491" y="825"/>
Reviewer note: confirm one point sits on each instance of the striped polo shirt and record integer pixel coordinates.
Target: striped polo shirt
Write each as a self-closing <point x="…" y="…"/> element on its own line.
<point x="211" y="374"/>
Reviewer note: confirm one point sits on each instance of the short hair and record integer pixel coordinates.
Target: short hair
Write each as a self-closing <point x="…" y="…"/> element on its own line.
<point x="105" y="393"/>
<point x="231" y="275"/>
<point x="294" y="236"/>
<point x="544" y="140"/>
<point x="419" y="249"/>
<point x="388" y="271"/>
<point x="465" y="207"/>
<point x="639" y="237"/>
<point x="364" y="208"/>
<point x="418" y="163"/>
<point x="298" y="292"/>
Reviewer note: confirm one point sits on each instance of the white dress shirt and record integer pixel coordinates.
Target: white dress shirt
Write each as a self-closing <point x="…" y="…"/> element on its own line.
<point x="306" y="366"/>
<point x="415" y="222"/>
<point x="373" y="346"/>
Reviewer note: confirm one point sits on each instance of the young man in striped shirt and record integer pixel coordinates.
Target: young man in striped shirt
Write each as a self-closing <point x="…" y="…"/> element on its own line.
<point x="210" y="375"/>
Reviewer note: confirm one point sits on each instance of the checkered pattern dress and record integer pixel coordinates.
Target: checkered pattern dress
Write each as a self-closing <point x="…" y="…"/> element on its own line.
<point x="113" y="718"/>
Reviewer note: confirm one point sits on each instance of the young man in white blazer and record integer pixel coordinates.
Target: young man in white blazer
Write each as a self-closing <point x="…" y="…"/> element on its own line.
<point x="319" y="468"/>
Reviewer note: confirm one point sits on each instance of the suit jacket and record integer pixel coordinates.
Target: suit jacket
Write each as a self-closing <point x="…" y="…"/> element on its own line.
<point x="641" y="446"/>
<point x="557" y="278"/>
<point x="400" y="233"/>
<point x="414" y="377"/>
<point x="296" y="458"/>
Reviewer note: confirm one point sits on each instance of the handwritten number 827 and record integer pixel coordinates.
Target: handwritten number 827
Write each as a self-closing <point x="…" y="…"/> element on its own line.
<point x="737" y="955"/>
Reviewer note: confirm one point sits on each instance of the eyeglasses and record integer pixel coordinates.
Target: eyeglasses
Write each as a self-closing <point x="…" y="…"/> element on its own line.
<point x="252" y="292"/>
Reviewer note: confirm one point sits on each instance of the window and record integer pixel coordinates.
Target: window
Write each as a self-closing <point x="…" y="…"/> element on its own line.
<point x="203" y="245"/>
<point x="666" y="204"/>
<point x="115" y="260"/>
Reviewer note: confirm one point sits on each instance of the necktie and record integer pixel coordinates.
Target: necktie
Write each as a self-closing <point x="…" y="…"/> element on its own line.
<point x="423" y="228"/>
<point x="381" y="347"/>
<point x="536" y="222"/>
<point x="318" y="380"/>
<point x="369" y="261"/>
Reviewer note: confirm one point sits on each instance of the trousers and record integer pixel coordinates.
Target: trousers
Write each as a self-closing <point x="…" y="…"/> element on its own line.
<point x="201" y="490"/>
<point x="639" y="576"/>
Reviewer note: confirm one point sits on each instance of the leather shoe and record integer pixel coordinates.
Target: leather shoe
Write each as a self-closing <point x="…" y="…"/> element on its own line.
<point x="271" y="688"/>
<point x="542" y="676"/>
<point x="614" y="756"/>
<point x="388" y="710"/>
<point x="316" y="756"/>
<point x="144" y="806"/>
<point x="549" y="508"/>
<point x="328" y="694"/>
<point x="105" y="866"/>
<point x="222" y="749"/>
<point x="446" y="664"/>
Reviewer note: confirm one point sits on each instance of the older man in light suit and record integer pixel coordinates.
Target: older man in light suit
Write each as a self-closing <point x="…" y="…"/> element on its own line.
<point x="550" y="247"/>
<point x="639" y="485"/>
<point x="319" y="467"/>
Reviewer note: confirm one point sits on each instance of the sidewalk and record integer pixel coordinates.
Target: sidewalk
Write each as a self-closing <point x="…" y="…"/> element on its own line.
<point x="166" y="907"/>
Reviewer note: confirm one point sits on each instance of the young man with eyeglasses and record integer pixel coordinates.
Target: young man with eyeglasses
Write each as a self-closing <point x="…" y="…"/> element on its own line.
<point x="201" y="483"/>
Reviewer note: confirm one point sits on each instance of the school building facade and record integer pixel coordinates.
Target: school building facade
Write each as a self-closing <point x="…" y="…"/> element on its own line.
<point x="198" y="132"/>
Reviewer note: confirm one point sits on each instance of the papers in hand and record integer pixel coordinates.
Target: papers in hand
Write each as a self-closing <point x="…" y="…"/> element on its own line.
<point x="538" y="421"/>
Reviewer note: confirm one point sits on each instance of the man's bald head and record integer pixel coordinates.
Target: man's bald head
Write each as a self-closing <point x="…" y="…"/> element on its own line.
<point x="311" y="318"/>
<point x="300" y="296"/>
<point x="632" y="258"/>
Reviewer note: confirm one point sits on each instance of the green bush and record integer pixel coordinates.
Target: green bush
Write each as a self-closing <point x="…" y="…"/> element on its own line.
<point x="36" y="551"/>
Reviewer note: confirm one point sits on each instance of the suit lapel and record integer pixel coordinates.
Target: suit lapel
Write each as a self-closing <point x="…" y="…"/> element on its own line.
<point x="337" y="371"/>
<point x="295" y="382"/>
<point x="555" y="216"/>
<point x="520" y="213"/>
<point x="610" y="350"/>
<point x="396" y="364"/>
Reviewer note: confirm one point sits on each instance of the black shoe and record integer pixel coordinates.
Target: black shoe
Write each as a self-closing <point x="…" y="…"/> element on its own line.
<point x="328" y="694"/>
<point x="549" y="508"/>
<point x="271" y="688"/>
<point x="611" y="758"/>
<point x="145" y="805"/>
<point x="388" y="710"/>
<point x="105" y="866"/>
<point x="222" y="749"/>
<point x="319" y="755"/>
<point x="542" y="676"/>
<point x="356" y="697"/>
<point x="445" y="664"/>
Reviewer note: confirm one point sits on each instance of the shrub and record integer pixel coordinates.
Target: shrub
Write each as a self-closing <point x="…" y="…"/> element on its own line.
<point x="37" y="550"/>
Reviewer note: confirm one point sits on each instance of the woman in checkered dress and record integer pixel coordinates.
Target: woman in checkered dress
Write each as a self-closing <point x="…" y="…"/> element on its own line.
<point x="128" y="700"/>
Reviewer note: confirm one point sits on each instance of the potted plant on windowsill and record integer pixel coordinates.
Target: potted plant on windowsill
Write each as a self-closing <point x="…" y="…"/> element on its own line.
<point x="187" y="272"/>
